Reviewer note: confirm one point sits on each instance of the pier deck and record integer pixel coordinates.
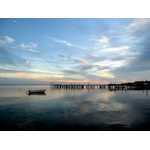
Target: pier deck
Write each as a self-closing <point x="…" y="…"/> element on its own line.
<point x="109" y="86"/>
<point x="77" y="86"/>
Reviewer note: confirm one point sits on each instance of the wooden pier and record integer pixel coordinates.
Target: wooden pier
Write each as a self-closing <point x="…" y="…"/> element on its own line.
<point x="78" y="86"/>
<point x="127" y="86"/>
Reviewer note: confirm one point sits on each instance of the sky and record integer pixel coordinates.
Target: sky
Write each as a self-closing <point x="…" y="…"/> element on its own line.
<point x="74" y="50"/>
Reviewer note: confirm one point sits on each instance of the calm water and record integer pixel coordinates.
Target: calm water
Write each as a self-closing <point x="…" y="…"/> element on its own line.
<point x="74" y="110"/>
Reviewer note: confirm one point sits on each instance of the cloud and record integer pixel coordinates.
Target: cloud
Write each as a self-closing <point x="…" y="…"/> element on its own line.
<point x="98" y="78"/>
<point x="95" y="58"/>
<point x="14" y="21"/>
<point x="137" y="65"/>
<point x="49" y="55"/>
<point x="117" y="48"/>
<point x="32" y="51"/>
<point x="85" y="67"/>
<point x="9" y="70"/>
<point x="81" y="61"/>
<point x="25" y="46"/>
<point x="138" y="24"/>
<point x="50" y="61"/>
<point x="106" y="75"/>
<point x="33" y="44"/>
<point x="6" y="40"/>
<point x="103" y="41"/>
<point x="71" y="72"/>
<point x="60" y="41"/>
<point x="65" y="42"/>
<point x="131" y="38"/>
<point x="123" y="57"/>
<point x="39" y="59"/>
<point x="9" y="39"/>
<point x="81" y="73"/>
<point x="99" y="67"/>
<point x="80" y="46"/>
<point x="69" y="79"/>
<point x="8" y="58"/>
<point x="12" y="70"/>
<point x="2" y="43"/>
<point x="28" y="46"/>
<point x="64" y="56"/>
<point x="136" y="68"/>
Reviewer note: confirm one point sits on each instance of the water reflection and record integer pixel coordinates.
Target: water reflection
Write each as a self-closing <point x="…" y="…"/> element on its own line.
<point x="35" y="94"/>
<point x="66" y="109"/>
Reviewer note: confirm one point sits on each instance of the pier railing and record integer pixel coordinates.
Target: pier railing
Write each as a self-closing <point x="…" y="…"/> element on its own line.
<point x="77" y="86"/>
<point x="129" y="86"/>
<point x="109" y="86"/>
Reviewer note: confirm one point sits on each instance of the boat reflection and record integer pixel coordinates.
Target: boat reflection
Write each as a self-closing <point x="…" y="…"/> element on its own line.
<point x="35" y="94"/>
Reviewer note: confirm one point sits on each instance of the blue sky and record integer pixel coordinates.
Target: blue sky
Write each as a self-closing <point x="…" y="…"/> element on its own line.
<point x="75" y="50"/>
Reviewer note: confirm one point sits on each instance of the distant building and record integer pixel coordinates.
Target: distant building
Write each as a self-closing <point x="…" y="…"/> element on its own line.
<point x="138" y="82"/>
<point x="142" y="82"/>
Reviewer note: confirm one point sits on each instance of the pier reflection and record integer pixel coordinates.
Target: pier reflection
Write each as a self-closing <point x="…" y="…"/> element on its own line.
<point x="127" y="90"/>
<point x="123" y="89"/>
<point x="74" y="109"/>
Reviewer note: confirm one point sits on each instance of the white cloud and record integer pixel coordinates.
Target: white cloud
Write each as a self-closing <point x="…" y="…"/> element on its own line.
<point x="103" y="41"/>
<point x="100" y="67"/>
<point x="28" y="46"/>
<point x="65" y="56"/>
<point x="60" y="41"/>
<point x="29" y="71"/>
<point x="33" y="45"/>
<point x="1" y="43"/>
<point x="33" y="51"/>
<point x="138" y="24"/>
<point x="117" y="48"/>
<point x="81" y="61"/>
<point x="9" y="39"/>
<point x="14" y="21"/>
<point x="25" y="46"/>
<point x="80" y="46"/>
<point x="106" y="75"/>
<point x="95" y="58"/>
<point x="38" y="59"/>
<point x="65" y="42"/>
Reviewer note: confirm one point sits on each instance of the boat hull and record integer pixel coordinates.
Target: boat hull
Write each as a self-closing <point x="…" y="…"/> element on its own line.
<point x="41" y="94"/>
<point x="37" y="91"/>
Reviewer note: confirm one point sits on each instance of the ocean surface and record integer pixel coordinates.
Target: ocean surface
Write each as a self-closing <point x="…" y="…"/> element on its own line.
<point x="74" y="109"/>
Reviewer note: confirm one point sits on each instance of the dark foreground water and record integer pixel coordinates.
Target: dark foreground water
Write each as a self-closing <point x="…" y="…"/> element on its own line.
<point x="74" y="110"/>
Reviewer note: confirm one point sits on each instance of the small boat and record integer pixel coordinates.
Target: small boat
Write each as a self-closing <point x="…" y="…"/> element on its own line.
<point x="41" y="94"/>
<point x="36" y="91"/>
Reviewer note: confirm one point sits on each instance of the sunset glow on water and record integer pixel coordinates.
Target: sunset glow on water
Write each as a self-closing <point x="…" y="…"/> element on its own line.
<point x="73" y="109"/>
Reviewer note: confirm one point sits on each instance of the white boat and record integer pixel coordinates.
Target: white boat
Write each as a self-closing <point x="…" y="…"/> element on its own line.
<point x="37" y="91"/>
